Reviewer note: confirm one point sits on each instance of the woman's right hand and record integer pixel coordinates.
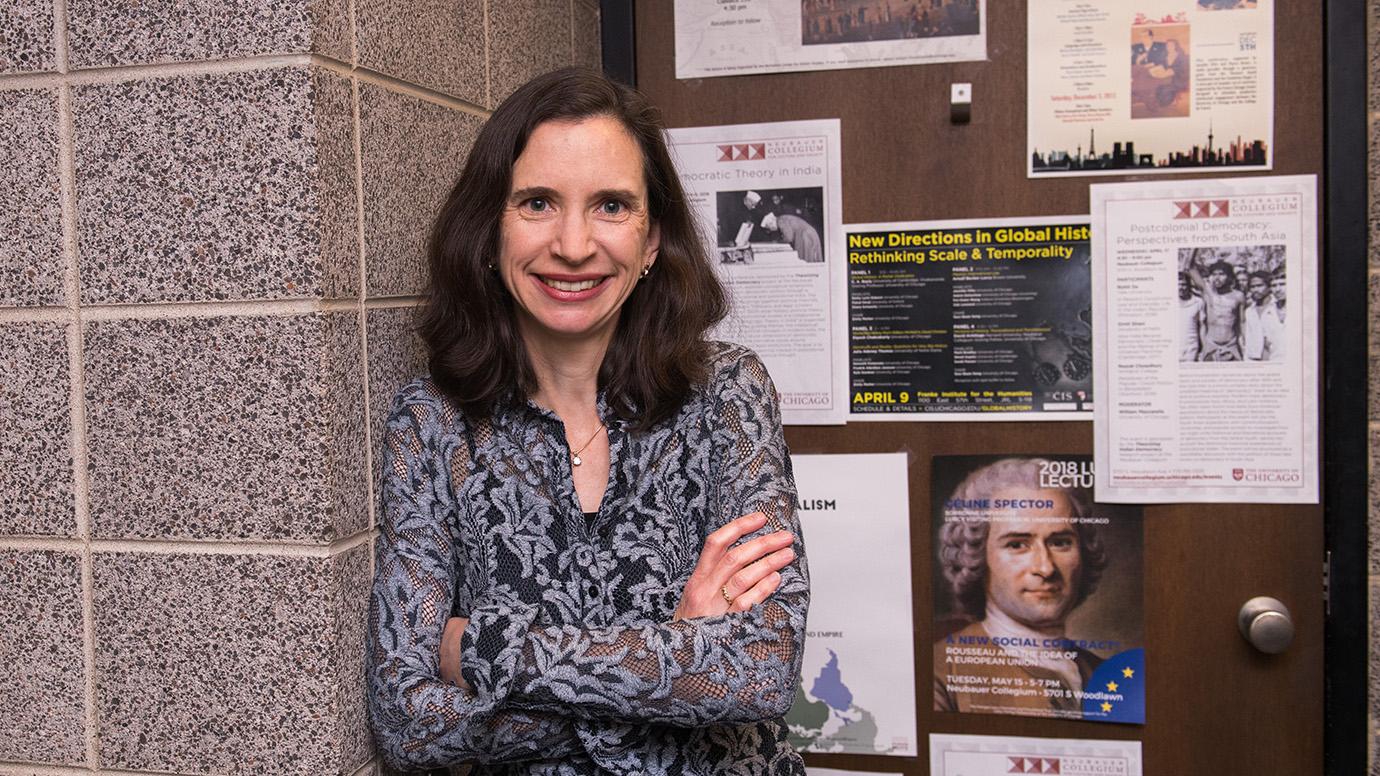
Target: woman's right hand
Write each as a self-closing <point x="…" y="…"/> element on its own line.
<point x="734" y="579"/>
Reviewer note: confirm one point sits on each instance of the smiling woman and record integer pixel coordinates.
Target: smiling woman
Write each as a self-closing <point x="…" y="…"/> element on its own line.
<point x="576" y="236"/>
<point x="589" y="558"/>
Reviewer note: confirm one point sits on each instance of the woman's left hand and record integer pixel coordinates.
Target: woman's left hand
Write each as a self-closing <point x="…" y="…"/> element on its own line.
<point x="450" y="651"/>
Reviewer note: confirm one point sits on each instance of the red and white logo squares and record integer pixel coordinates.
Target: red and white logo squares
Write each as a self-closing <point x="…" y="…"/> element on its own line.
<point x="738" y="152"/>
<point x="1033" y="765"/>
<point x="1203" y="208"/>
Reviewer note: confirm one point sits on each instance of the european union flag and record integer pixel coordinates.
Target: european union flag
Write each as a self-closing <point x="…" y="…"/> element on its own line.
<point x="1116" y="691"/>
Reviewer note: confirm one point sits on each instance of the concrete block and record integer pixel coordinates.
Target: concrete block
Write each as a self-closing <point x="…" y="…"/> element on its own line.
<point x="216" y="187"/>
<point x="529" y="37"/>
<point x="231" y="428"/>
<point x="231" y="664"/>
<point x="36" y="495"/>
<point x="104" y="34"/>
<point x="26" y="37"/>
<point x="31" y="258"/>
<point x="413" y="152"/>
<point x="585" y="34"/>
<point x="438" y="44"/>
<point x="43" y="686"/>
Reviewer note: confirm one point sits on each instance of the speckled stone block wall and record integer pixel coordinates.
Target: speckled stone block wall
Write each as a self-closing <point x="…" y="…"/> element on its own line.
<point x="214" y="218"/>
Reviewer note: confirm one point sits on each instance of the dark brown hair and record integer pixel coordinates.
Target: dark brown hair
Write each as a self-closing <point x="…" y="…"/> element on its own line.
<point x="658" y="350"/>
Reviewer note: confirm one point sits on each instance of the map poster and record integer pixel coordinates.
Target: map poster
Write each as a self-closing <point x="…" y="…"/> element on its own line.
<point x="1038" y="603"/>
<point x="959" y="755"/>
<point x="769" y="198"/>
<point x="737" y="37"/>
<point x="1121" y="87"/>
<point x="970" y="320"/>
<point x="857" y="691"/>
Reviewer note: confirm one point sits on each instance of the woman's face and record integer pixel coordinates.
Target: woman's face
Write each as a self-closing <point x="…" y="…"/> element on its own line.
<point x="575" y="232"/>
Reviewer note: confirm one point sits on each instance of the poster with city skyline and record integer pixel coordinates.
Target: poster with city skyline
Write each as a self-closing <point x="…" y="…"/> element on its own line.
<point x="1150" y="87"/>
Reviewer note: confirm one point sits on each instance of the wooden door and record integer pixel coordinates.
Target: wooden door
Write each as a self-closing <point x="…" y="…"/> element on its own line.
<point x="1213" y="704"/>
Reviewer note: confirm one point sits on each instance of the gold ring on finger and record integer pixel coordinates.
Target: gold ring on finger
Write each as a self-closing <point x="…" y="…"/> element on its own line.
<point x="728" y="598"/>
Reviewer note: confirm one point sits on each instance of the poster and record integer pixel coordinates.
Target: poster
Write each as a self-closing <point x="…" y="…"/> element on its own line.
<point x="810" y="770"/>
<point x="970" y="320"/>
<point x="958" y="755"/>
<point x="1205" y="340"/>
<point x="1038" y="604"/>
<point x="736" y="37"/>
<point x="1150" y="86"/>
<point x="857" y="691"/>
<point x="768" y="198"/>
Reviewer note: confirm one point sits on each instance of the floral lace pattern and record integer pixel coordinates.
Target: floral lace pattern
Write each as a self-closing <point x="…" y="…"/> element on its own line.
<point x="575" y="665"/>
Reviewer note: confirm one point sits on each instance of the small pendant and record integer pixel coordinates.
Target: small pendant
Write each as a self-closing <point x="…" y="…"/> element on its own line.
<point x="575" y="459"/>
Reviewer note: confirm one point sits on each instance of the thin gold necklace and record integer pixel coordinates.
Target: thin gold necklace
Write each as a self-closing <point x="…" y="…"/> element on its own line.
<point x="575" y="456"/>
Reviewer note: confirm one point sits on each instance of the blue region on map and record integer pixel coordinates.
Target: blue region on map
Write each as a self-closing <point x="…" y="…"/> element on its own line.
<point x="829" y="686"/>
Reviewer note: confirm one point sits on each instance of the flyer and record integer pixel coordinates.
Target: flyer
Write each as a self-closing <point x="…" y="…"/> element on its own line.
<point x="1205" y="340"/>
<point x="1150" y="86"/>
<point x="737" y="37"/>
<point x="959" y="755"/>
<point x="811" y="770"/>
<point x="1038" y="606"/>
<point x="768" y="197"/>
<point x="855" y="511"/>
<point x="970" y="320"/>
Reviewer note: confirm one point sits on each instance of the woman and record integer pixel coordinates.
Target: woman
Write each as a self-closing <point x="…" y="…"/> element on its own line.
<point x="589" y="559"/>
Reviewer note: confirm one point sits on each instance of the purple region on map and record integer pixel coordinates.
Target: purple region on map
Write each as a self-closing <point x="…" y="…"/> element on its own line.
<point x="829" y="685"/>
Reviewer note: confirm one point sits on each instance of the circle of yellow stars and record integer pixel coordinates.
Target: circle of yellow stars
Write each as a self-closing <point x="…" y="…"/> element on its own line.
<point x="1127" y="672"/>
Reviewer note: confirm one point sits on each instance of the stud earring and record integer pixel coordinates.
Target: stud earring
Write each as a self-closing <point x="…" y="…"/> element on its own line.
<point x="645" y="270"/>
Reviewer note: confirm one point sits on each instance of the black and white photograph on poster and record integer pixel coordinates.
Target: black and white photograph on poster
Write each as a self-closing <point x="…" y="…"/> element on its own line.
<point x="1038" y="600"/>
<point x="768" y="198"/>
<point x="970" y="320"/>
<point x="771" y="226"/>
<point x="825" y="22"/>
<point x="1233" y="303"/>
<point x="1237" y="334"/>
<point x="737" y="37"/>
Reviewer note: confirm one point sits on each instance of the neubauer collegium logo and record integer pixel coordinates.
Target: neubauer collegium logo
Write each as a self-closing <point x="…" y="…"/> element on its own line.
<point x="1262" y="205"/>
<point x="790" y="148"/>
<point x="1203" y="208"/>
<point x="737" y="152"/>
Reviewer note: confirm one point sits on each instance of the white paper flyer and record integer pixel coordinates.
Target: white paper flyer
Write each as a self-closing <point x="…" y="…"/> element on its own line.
<point x="958" y="755"/>
<point x="736" y="37"/>
<point x="768" y="198"/>
<point x="1205" y="340"/>
<point x="1150" y="86"/>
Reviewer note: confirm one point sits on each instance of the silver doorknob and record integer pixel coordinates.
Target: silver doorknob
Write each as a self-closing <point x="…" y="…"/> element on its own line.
<point x="1265" y="622"/>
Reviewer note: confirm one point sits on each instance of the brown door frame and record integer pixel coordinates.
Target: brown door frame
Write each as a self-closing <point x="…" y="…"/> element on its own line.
<point x="1345" y="237"/>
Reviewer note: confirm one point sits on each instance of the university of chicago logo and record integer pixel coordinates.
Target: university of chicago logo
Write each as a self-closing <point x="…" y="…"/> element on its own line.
<point x="1238" y="474"/>
<point x="1203" y="208"/>
<point x="738" y="152"/>
<point x="1033" y="765"/>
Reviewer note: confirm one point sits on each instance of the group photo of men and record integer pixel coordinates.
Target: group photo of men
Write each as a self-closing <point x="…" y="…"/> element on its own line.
<point x="1232" y="304"/>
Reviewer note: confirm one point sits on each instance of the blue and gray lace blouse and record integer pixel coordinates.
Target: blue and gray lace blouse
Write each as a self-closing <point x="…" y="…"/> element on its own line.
<point x="576" y="665"/>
